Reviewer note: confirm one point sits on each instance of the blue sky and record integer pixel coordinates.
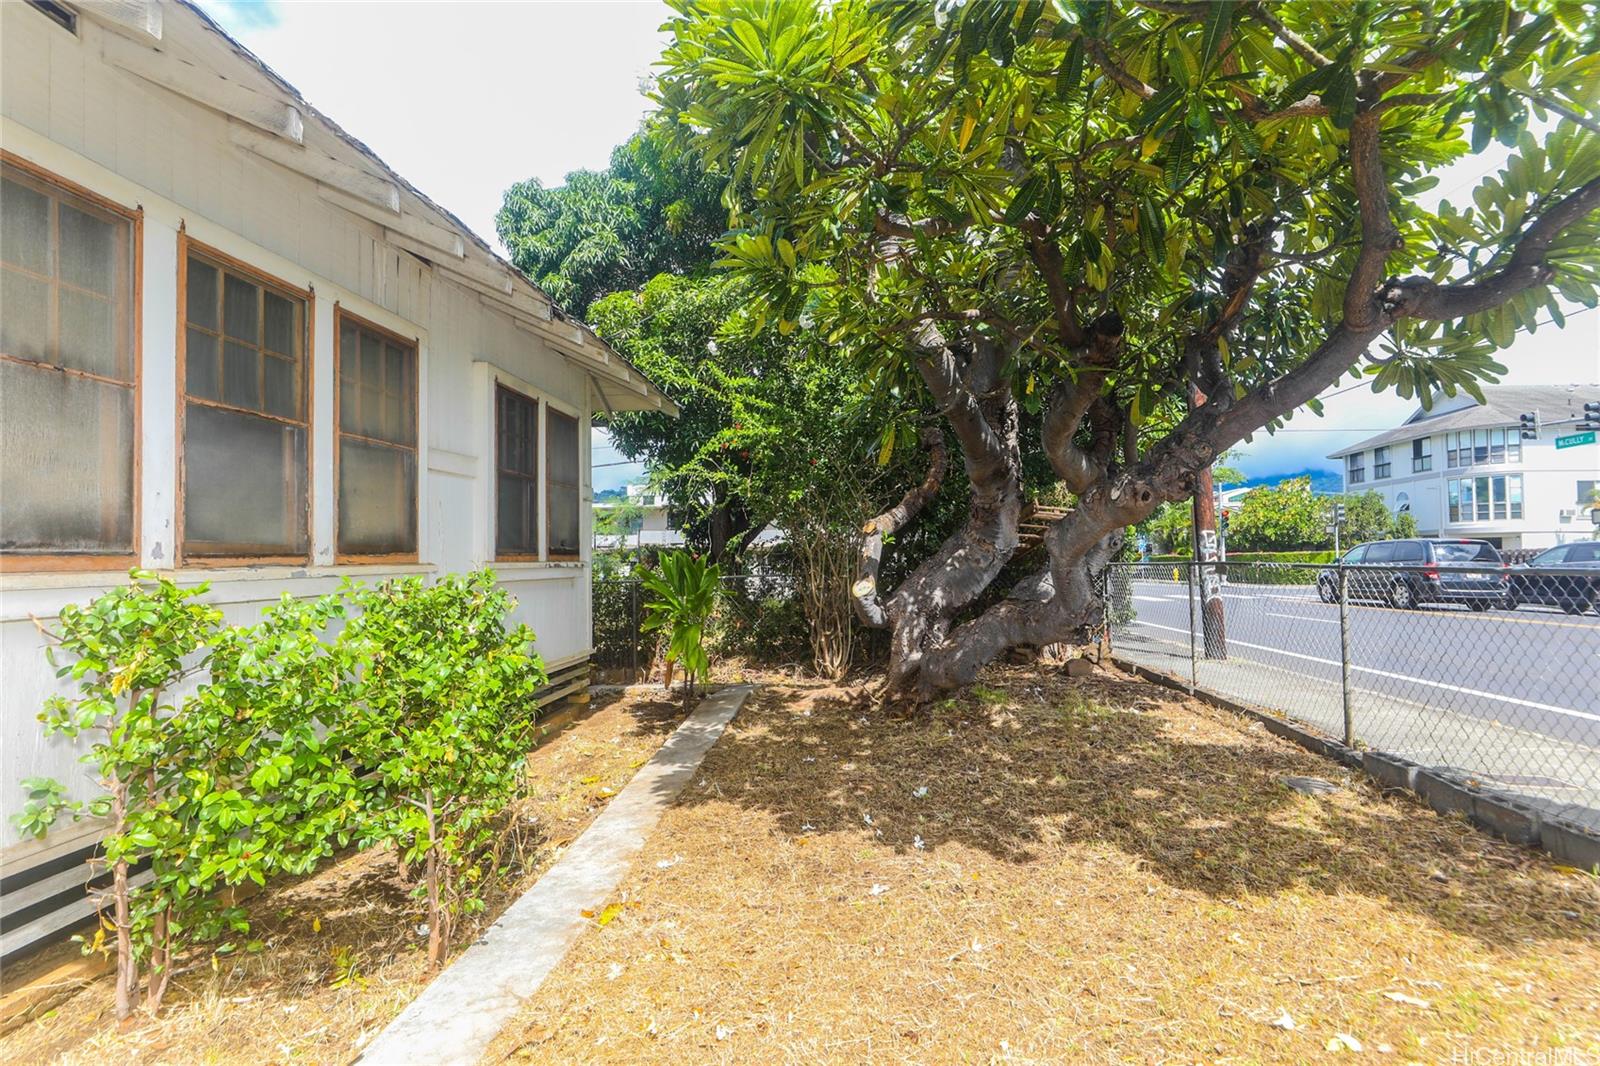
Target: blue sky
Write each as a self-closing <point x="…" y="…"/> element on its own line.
<point x="466" y="98"/>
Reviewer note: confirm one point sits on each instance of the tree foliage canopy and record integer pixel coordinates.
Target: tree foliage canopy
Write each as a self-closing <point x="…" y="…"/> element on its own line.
<point x="652" y="210"/>
<point x="1164" y="220"/>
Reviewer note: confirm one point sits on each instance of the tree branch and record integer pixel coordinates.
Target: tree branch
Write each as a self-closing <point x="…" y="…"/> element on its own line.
<point x="1301" y="46"/>
<point x="1097" y="52"/>
<point x="864" y="593"/>
<point x="1047" y="259"/>
<point x="1378" y="234"/>
<point x="1423" y="298"/>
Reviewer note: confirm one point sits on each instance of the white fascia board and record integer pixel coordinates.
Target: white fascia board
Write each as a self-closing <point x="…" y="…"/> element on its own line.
<point x="308" y="162"/>
<point x="440" y="239"/>
<point x="165" y="68"/>
<point x="139" y="17"/>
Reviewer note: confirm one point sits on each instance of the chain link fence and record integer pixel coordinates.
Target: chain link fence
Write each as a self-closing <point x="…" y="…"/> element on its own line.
<point x="1489" y="670"/>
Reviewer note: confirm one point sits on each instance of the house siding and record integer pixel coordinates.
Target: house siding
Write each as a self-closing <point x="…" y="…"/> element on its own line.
<point x="66" y="110"/>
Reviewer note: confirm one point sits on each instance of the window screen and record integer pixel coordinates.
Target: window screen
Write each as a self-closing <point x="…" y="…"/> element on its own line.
<point x="516" y="474"/>
<point x="561" y="457"/>
<point x="377" y="441"/>
<point x="245" y="414"/>
<point x="66" y="371"/>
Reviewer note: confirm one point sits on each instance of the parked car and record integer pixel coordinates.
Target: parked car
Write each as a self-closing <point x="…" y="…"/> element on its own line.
<point x="1531" y="582"/>
<point x="1409" y="573"/>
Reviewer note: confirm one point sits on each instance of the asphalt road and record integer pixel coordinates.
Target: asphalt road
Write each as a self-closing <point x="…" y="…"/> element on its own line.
<point x="1534" y="668"/>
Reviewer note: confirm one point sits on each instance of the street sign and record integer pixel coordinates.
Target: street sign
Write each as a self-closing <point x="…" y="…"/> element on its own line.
<point x="1572" y="440"/>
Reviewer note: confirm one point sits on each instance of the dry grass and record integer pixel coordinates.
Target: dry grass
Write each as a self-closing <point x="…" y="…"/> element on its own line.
<point x="354" y="920"/>
<point x="1044" y="872"/>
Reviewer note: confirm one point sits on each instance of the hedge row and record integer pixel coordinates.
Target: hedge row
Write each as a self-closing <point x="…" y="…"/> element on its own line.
<point x="397" y="715"/>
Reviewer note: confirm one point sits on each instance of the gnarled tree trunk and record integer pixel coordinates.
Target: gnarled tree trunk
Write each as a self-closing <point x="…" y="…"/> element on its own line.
<point x="1084" y="437"/>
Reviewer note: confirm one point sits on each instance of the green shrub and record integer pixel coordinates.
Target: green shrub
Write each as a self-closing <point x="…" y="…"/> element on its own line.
<point x="442" y="714"/>
<point x="285" y="747"/>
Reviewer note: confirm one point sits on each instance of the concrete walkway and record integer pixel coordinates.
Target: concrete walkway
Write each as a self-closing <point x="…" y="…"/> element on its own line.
<point x="459" y="1014"/>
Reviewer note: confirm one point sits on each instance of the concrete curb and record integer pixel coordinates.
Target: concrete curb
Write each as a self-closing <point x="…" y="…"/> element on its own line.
<point x="458" y="1015"/>
<point x="1443" y="789"/>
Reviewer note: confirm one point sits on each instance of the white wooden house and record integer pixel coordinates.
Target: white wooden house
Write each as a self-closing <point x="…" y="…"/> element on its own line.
<point x="236" y="347"/>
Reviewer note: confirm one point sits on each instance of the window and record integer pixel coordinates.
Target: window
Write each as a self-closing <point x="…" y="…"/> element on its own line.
<point x="376" y="441"/>
<point x="1585" y="552"/>
<point x="516" y="460"/>
<point x="1355" y="469"/>
<point x="1513" y="446"/>
<point x="1402" y="503"/>
<point x="1381" y="552"/>
<point x="67" y="370"/>
<point x="244" y="466"/>
<point x="1355" y="555"/>
<point x="1484" y="499"/>
<point x="1380" y="463"/>
<point x="1553" y="557"/>
<point x="561" y="472"/>
<point x="1464" y="551"/>
<point x="1408" y="551"/>
<point x="1421" y="455"/>
<point x="1480" y="446"/>
<point x="1586" y="493"/>
<point x="1497" y="445"/>
<point x="60" y="14"/>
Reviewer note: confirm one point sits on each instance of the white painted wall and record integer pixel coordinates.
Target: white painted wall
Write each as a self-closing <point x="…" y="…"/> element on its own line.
<point x="1549" y="488"/>
<point x="64" y="109"/>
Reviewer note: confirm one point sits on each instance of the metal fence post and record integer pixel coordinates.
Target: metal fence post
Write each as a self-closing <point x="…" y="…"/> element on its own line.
<point x="1344" y="656"/>
<point x="1194" y="651"/>
<point x="1105" y="615"/>
<point x="633" y="625"/>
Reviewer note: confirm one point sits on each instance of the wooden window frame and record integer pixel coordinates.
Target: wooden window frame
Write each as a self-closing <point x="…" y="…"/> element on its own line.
<point x="537" y="555"/>
<point x="551" y="411"/>
<point x="225" y="264"/>
<point x="15" y="562"/>
<point x="340" y="316"/>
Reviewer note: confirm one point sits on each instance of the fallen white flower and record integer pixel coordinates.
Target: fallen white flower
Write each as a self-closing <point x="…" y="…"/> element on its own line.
<point x="921" y="793"/>
<point x="878" y="890"/>
<point x="615" y="971"/>
<point x="667" y="864"/>
<point x="1284" y="1021"/>
<point x="918" y="844"/>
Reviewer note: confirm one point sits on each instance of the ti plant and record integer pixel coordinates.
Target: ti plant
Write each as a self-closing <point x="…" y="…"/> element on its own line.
<point x="683" y="593"/>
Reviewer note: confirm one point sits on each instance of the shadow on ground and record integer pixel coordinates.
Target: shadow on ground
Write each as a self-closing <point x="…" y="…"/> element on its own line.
<point x="1029" y="765"/>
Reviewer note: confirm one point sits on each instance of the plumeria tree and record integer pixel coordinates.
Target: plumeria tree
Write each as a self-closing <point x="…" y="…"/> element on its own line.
<point x="1132" y="235"/>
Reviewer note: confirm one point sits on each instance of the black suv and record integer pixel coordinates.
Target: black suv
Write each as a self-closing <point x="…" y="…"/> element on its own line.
<point x="1408" y="573"/>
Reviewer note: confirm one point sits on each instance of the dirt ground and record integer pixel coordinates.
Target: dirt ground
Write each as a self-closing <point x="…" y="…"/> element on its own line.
<point x="1069" y="872"/>
<point x="340" y="951"/>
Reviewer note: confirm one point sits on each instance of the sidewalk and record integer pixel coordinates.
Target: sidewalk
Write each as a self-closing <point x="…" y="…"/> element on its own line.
<point x="1537" y="769"/>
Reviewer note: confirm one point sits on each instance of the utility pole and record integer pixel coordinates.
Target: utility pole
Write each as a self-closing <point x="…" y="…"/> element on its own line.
<point x="1206" y="554"/>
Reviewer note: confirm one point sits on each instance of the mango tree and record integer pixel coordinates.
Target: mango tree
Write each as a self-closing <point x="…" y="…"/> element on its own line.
<point x="1062" y="222"/>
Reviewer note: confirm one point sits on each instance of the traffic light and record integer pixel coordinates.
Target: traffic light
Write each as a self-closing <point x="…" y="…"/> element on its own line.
<point x="1591" y="415"/>
<point x="1224" y="519"/>
<point x="1530" y="426"/>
